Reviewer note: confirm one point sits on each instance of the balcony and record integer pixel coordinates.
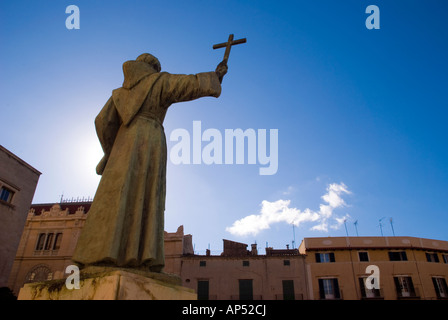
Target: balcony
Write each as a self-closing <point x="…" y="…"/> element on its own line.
<point x="46" y="252"/>
<point x="253" y="297"/>
<point x="336" y="295"/>
<point x="289" y="297"/>
<point x="373" y="294"/>
<point x="408" y="294"/>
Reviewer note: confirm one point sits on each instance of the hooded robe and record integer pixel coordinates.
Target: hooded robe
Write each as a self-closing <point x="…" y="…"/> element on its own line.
<point x="125" y="223"/>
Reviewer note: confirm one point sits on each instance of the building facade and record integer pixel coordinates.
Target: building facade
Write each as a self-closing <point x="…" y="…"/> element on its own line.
<point x="239" y="274"/>
<point x="389" y="268"/>
<point x="18" y="181"/>
<point x="50" y="236"/>
<point x="331" y="268"/>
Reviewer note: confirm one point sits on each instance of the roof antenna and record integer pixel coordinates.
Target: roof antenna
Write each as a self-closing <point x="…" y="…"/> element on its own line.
<point x="293" y="236"/>
<point x="356" y="227"/>
<point x="392" y="226"/>
<point x="345" y="224"/>
<point x="381" y="226"/>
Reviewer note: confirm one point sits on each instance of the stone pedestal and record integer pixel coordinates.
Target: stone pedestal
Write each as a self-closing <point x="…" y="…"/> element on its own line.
<point x="98" y="283"/>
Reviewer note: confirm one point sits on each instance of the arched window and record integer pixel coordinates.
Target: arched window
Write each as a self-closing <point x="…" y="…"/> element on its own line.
<point x="40" y="242"/>
<point x="49" y="241"/>
<point x="39" y="273"/>
<point x="57" y="241"/>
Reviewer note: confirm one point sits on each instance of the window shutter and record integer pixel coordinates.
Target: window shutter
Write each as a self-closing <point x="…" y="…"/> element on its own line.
<point x="363" y="289"/>
<point x="40" y="241"/>
<point x="403" y="256"/>
<point x="246" y="289"/>
<point x="321" y="289"/>
<point x="337" y="294"/>
<point x="288" y="289"/>
<point x="318" y="257"/>
<point x="203" y="290"/>
<point x="397" y="286"/>
<point x="332" y="257"/>
<point x="436" y="287"/>
<point x="411" y="287"/>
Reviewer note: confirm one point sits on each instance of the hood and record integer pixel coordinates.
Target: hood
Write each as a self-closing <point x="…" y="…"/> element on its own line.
<point x="134" y="71"/>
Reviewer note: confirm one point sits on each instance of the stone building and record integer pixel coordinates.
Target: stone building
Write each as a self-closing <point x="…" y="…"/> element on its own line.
<point x="321" y="269"/>
<point x="50" y="236"/>
<point x="18" y="181"/>
<point x="407" y="268"/>
<point x="240" y="274"/>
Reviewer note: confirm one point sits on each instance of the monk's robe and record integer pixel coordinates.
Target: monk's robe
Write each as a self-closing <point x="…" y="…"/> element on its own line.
<point x="125" y="224"/>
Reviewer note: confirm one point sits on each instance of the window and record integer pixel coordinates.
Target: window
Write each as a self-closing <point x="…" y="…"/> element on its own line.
<point x="203" y="290"/>
<point x="245" y="263"/>
<point x="6" y="194"/>
<point x="440" y="287"/>
<point x="329" y="289"/>
<point x="445" y="258"/>
<point x="49" y="241"/>
<point x="368" y="293"/>
<point x="286" y="262"/>
<point x="288" y="289"/>
<point x="246" y="289"/>
<point x="40" y="242"/>
<point x="202" y="263"/>
<point x="325" y="257"/>
<point x="432" y="257"/>
<point x="57" y="241"/>
<point x="39" y="273"/>
<point x="398" y="256"/>
<point x="363" y="256"/>
<point x="404" y="287"/>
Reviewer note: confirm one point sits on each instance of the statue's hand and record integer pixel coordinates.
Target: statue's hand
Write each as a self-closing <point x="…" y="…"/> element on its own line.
<point x="221" y="70"/>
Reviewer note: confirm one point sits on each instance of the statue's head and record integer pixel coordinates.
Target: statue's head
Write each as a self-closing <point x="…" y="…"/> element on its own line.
<point x="151" y="60"/>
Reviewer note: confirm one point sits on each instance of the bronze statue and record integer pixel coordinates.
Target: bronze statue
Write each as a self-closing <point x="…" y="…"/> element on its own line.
<point x="125" y="224"/>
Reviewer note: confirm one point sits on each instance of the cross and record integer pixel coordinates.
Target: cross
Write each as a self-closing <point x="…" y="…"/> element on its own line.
<point x="228" y="45"/>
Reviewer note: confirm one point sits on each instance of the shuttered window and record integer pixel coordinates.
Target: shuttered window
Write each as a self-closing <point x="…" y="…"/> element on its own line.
<point x="325" y="257"/>
<point x="203" y="290"/>
<point x="329" y="289"/>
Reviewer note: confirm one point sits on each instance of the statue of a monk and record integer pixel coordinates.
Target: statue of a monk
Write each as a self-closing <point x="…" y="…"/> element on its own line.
<point x="125" y="224"/>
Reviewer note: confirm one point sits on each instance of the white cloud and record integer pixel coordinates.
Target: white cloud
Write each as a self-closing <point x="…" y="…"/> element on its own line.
<point x="333" y="197"/>
<point x="279" y="211"/>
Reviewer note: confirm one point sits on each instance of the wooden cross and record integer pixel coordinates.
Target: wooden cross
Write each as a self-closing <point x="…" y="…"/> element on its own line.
<point x="228" y="45"/>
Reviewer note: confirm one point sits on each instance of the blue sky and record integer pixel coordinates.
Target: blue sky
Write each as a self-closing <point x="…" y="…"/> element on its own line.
<point x="361" y="114"/>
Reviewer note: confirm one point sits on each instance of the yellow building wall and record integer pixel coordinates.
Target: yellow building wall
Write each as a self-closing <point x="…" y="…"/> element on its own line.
<point x="347" y="267"/>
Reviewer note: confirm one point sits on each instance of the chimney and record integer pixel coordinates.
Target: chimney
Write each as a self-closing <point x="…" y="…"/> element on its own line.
<point x="254" y="250"/>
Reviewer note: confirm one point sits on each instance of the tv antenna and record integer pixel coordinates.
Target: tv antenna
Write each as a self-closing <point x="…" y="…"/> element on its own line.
<point x="356" y="227"/>
<point x="293" y="235"/>
<point x="381" y="226"/>
<point x="392" y="226"/>
<point x="345" y="224"/>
